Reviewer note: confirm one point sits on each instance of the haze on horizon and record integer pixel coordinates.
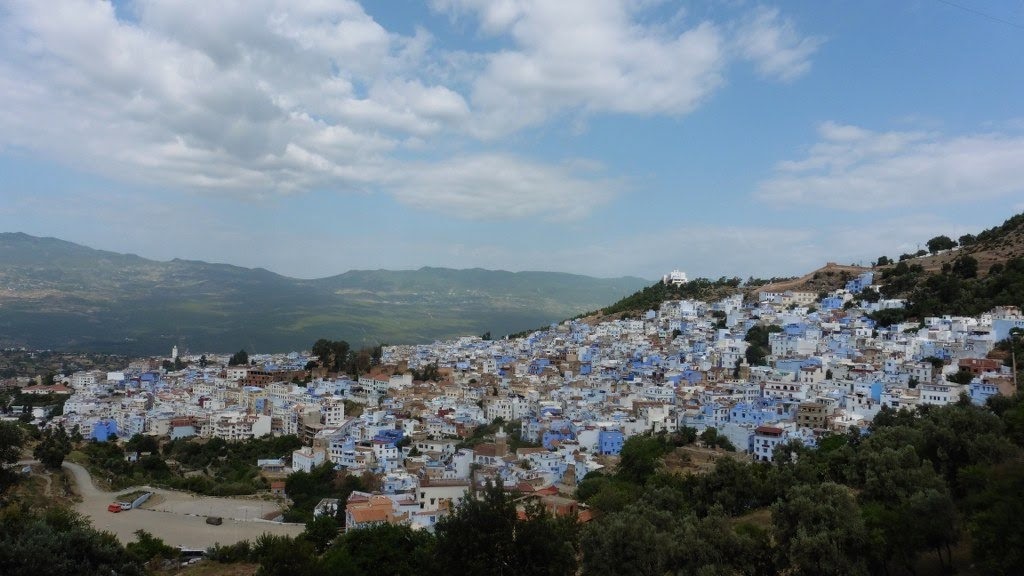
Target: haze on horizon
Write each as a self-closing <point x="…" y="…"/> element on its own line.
<point x="598" y="137"/>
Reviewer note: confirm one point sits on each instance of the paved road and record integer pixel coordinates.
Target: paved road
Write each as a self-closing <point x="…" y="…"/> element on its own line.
<point x="179" y="518"/>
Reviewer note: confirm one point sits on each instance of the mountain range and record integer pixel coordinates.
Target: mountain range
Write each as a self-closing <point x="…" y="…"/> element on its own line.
<point x="59" y="295"/>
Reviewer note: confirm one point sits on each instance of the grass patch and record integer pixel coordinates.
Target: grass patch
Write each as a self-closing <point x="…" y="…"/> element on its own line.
<point x="130" y="496"/>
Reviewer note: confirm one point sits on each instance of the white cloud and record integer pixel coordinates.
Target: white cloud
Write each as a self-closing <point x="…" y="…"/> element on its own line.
<point x="851" y="168"/>
<point x="771" y="41"/>
<point x="263" y="97"/>
<point x="592" y="56"/>
<point x="601" y="56"/>
<point x="501" y="186"/>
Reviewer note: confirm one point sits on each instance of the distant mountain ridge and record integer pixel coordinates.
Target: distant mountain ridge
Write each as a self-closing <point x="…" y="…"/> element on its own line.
<point x="61" y="295"/>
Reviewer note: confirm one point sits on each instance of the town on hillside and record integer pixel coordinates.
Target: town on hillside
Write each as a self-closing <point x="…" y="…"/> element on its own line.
<point x="545" y="410"/>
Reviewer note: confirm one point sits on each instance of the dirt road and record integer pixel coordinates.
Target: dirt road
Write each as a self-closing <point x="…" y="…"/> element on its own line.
<point x="179" y="518"/>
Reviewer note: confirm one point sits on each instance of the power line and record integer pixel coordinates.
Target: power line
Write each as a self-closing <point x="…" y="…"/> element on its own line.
<point x="982" y="14"/>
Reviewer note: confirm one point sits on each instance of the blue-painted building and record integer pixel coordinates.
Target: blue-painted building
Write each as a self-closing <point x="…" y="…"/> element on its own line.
<point x="557" y="431"/>
<point x="861" y="282"/>
<point x="831" y="303"/>
<point x="981" y="391"/>
<point x="391" y="437"/>
<point x="756" y="413"/>
<point x="610" y="441"/>
<point x="103" y="430"/>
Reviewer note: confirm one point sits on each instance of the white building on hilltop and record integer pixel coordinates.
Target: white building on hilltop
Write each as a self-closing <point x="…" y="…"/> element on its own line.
<point x="675" y="278"/>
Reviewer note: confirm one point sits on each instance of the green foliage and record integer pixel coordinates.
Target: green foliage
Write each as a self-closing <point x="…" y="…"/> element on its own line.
<point x="960" y="291"/>
<point x="240" y="358"/>
<point x="651" y="297"/>
<point x="11" y="439"/>
<point x="54" y="446"/>
<point x="640" y="458"/>
<point x="484" y="535"/>
<point x="607" y="493"/>
<point x="996" y="508"/>
<point x="712" y="439"/>
<point x="231" y="465"/>
<point x="647" y="540"/>
<point x="382" y="550"/>
<point x="757" y="337"/>
<point x="142" y="443"/>
<point x="286" y="556"/>
<point x="240" y="551"/>
<point x="819" y="531"/>
<point x="321" y="531"/>
<point x="59" y="542"/>
<point x="335" y="356"/>
<point x="429" y="373"/>
<point x="306" y="489"/>
<point x="961" y="377"/>
<point x="868" y="294"/>
<point x="940" y="243"/>
<point x="965" y="267"/>
<point x="486" y="433"/>
<point x="148" y="547"/>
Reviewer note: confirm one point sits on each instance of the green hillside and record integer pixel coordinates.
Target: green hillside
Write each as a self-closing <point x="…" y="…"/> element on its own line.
<point x="60" y="295"/>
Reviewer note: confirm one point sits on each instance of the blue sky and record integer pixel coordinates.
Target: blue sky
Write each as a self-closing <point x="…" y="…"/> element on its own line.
<point x="593" y="136"/>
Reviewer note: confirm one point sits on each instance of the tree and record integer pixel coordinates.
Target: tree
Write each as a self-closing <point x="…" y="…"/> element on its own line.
<point x="640" y="458"/>
<point x="961" y="377"/>
<point x="361" y="361"/>
<point x="996" y="507"/>
<point x="967" y="239"/>
<point x="333" y="355"/>
<point x="484" y="535"/>
<point x="143" y="443"/>
<point x="430" y="372"/>
<point x="869" y="294"/>
<point x="240" y="358"/>
<point x="939" y="243"/>
<point x="819" y="531"/>
<point x="965" y="267"/>
<point x="59" y="542"/>
<point x="382" y="550"/>
<point x="148" y="547"/>
<point x="10" y="452"/>
<point x="758" y="337"/>
<point x="637" y="541"/>
<point x="285" y="556"/>
<point x="54" y="446"/>
<point x="321" y="531"/>
<point x="883" y="261"/>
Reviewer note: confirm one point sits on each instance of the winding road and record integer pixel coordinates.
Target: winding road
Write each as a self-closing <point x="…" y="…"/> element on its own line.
<point x="179" y="518"/>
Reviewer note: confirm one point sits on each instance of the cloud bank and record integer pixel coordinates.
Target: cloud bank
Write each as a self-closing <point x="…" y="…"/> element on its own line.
<point x="271" y="97"/>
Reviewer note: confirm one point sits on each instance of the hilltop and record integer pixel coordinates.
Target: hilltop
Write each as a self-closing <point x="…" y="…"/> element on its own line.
<point x="60" y="295"/>
<point x="968" y="276"/>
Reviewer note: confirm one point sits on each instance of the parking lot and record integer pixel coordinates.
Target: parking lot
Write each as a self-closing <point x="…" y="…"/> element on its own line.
<point x="179" y="518"/>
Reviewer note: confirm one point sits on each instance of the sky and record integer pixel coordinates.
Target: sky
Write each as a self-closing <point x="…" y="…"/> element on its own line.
<point x="600" y="137"/>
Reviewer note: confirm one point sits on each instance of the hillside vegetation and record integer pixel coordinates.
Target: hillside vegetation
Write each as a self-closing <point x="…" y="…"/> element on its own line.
<point x="979" y="274"/>
<point x="970" y="276"/>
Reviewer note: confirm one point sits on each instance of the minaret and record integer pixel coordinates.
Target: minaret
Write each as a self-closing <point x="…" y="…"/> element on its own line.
<point x="500" y="443"/>
<point x="174" y="353"/>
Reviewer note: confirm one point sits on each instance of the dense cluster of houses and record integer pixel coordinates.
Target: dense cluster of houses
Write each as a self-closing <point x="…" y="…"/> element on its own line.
<point x="573" y="393"/>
